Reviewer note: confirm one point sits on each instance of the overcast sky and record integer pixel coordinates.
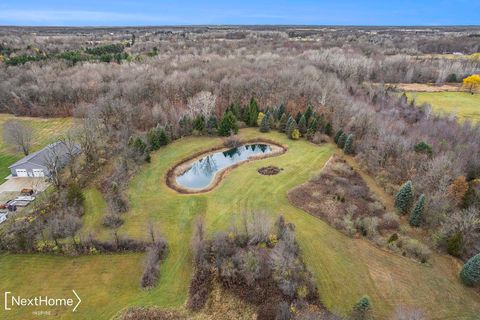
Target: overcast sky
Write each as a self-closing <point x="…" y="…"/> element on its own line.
<point x="186" y="12"/>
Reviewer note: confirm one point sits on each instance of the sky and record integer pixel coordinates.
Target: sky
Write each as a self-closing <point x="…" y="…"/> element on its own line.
<point x="244" y="12"/>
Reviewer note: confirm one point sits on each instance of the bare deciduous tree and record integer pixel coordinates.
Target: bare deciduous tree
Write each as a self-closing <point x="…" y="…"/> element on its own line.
<point x="18" y="135"/>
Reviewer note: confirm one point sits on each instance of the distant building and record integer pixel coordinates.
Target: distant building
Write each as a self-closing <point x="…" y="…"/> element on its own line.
<point x="39" y="164"/>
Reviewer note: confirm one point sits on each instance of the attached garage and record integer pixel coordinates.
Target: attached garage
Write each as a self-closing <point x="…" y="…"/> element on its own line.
<point x="21" y="172"/>
<point x="38" y="173"/>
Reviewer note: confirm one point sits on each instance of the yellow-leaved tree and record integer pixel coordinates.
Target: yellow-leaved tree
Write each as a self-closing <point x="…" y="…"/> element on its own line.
<point x="472" y="83"/>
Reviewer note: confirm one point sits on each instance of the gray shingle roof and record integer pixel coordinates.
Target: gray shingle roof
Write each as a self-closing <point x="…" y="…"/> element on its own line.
<point x="41" y="157"/>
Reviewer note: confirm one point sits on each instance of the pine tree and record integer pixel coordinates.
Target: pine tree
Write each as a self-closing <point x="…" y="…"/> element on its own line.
<point x="265" y="123"/>
<point x="212" y="124"/>
<point x="152" y="138"/>
<point x="298" y="116"/>
<point x="228" y="125"/>
<point x="341" y="140"/>
<point x="291" y="125"/>
<point x="348" y="147"/>
<point x="417" y="213"/>
<point x="308" y="113"/>
<point x="362" y="308"/>
<point x="328" y="129"/>
<point x="199" y="123"/>
<point x="337" y="136"/>
<point x="252" y="112"/>
<point x="162" y="137"/>
<point x="302" y="125"/>
<point x="470" y="273"/>
<point x="282" y="125"/>
<point x="404" y="197"/>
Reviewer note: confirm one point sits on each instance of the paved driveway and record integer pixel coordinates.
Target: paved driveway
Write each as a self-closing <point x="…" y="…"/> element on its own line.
<point x="16" y="184"/>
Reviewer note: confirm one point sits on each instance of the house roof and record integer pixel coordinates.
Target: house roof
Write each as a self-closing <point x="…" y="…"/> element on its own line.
<point x="41" y="157"/>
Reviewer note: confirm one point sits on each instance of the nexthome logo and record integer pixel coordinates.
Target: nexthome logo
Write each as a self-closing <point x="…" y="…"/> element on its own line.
<point x="14" y="301"/>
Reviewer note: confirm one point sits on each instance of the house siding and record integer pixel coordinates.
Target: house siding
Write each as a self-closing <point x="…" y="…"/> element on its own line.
<point x="29" y="167"/>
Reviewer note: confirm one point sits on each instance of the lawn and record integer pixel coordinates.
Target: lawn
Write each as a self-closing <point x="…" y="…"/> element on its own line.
<point x="45" y="131"/>
<point x="345" y="268"/>
<point x="463" y="104"/>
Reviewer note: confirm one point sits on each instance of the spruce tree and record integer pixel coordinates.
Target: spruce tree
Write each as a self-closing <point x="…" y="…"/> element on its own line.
<point x="199" y="123"/>
<point x="308" y="113"/>
<point x="265" y="123"/>
<point x="282" y="125"/>
<point x="404" y="197"/>
<point x="302" y="125"/>
<point x="252" y="112"/>
<point x="228" y="125"/>
<point x="152" y="138"/>
<point x="348" y="147"/>
<point x="470" y="273"/>
<point x="291" y="125"/>
<point x="362" y="308"/>
<point x="417" y="213"/>
<point x="298" y="116"/>
<point x="341" y="140"/>
<point x="337" y="136"/>
<point x="328" y="129"/>
<point x="162" y="137"/>
<point x="212" y="124"/>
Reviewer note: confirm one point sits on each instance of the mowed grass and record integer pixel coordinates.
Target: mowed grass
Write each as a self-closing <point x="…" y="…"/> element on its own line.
<point x="45" y="131"/>
<point x="462" y="104"/>
<point x="345" y="269"/>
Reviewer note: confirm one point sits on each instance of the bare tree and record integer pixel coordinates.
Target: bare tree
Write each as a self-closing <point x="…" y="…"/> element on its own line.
<point x="18" y="135"/>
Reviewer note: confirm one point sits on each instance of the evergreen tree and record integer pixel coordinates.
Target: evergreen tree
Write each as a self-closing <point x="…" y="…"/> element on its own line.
<point x="404" y="197"/>
<point x="271" y="121"/>
<point x="199" y="123"/>
<point x="282" y="125"/>
<point x="348" y="147"/>
<point x="341" y="140"/>
<point x="152" y="139"/>
<point x="308" y="113"/>
<point x="265" y="123"/>
<point x="212" y="124"/>
<point x="417" y="213"/>
<point x="185" y="126"/>
<point x="291" y="125"/>
<point x="298" y="116"/>
<point x="328" y="129"/>
<point x="252" y="112"/>
<point x="228" y="125"/>
<point x="162" y="137"/>
<point x="302" y="125"/>
<point x="362" y="308"/>
<point x="470" y="273"/>
<point x="337" y="136"/>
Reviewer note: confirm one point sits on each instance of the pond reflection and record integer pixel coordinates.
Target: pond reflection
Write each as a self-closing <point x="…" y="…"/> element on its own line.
<point x="202" y="171"/>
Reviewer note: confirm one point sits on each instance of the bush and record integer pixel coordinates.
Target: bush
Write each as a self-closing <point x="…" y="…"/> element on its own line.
<point x="423" y="147"/>
<point x="389" y="221"/>
<point x="415" y="249"/>
<point x="455" y="245"/>
<point x="155" y="252"/>
<point x="362" y="308"/>
<point x="470" y="273"/>
<point x="75" y="195"/>
<point x="295" y="134"/>
<point x="231" y="142"/>
<point x="112" y="221"/>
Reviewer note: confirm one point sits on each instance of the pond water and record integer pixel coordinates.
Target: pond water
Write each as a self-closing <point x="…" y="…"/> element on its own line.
<point x="202" y="172"/>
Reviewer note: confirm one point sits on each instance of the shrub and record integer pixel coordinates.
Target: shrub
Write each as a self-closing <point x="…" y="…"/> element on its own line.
<point x="295" y="134"/>
<point x="417" y="213"/>
<point x="455" y="244"/>
<point x="75" y="195"/>
<point x="470" y="273"/>
<point x="155" y="252"/>
<point x="404" y="197"/>
<point x="393" y="238"/>
<point x="389" y="221"/>
<point x="231" y="141"/>
<point x="415" y="249"/>
<point x="112" y="221"/>
<point x="362" y="308"/>
<point x="423" y="147"/>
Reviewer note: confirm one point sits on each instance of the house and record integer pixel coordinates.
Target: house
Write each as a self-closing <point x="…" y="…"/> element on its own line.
<point x="40" y="163"/>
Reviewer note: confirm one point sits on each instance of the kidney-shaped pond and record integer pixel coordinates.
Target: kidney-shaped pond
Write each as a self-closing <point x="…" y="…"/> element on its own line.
<point x="201" y="173"/>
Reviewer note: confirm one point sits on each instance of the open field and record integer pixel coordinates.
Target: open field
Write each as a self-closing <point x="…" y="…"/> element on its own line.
<point x="345" y="268"/>
<point x="462" y="104"/>
<point x="45" y="131"/>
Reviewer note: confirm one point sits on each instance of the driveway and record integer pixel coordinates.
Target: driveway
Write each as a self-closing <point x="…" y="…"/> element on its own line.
<point x="16" y="184"/>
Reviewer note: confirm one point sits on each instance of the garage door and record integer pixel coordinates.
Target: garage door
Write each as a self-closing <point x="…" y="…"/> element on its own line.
<point x="38" y="173"/>
<point x="21" y="172"/>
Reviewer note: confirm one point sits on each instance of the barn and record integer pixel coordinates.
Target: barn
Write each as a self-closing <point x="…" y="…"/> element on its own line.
<point x="39" y="164"/>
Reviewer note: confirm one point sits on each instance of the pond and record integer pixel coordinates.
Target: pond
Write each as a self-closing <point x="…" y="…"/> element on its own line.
<point x="202" y="172"/>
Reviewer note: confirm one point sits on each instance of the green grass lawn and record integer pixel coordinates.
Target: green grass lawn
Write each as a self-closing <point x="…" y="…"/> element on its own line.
<point x="463" y="104"/>
<point x="45" y="131"/>
<point x="345" y="268"/>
